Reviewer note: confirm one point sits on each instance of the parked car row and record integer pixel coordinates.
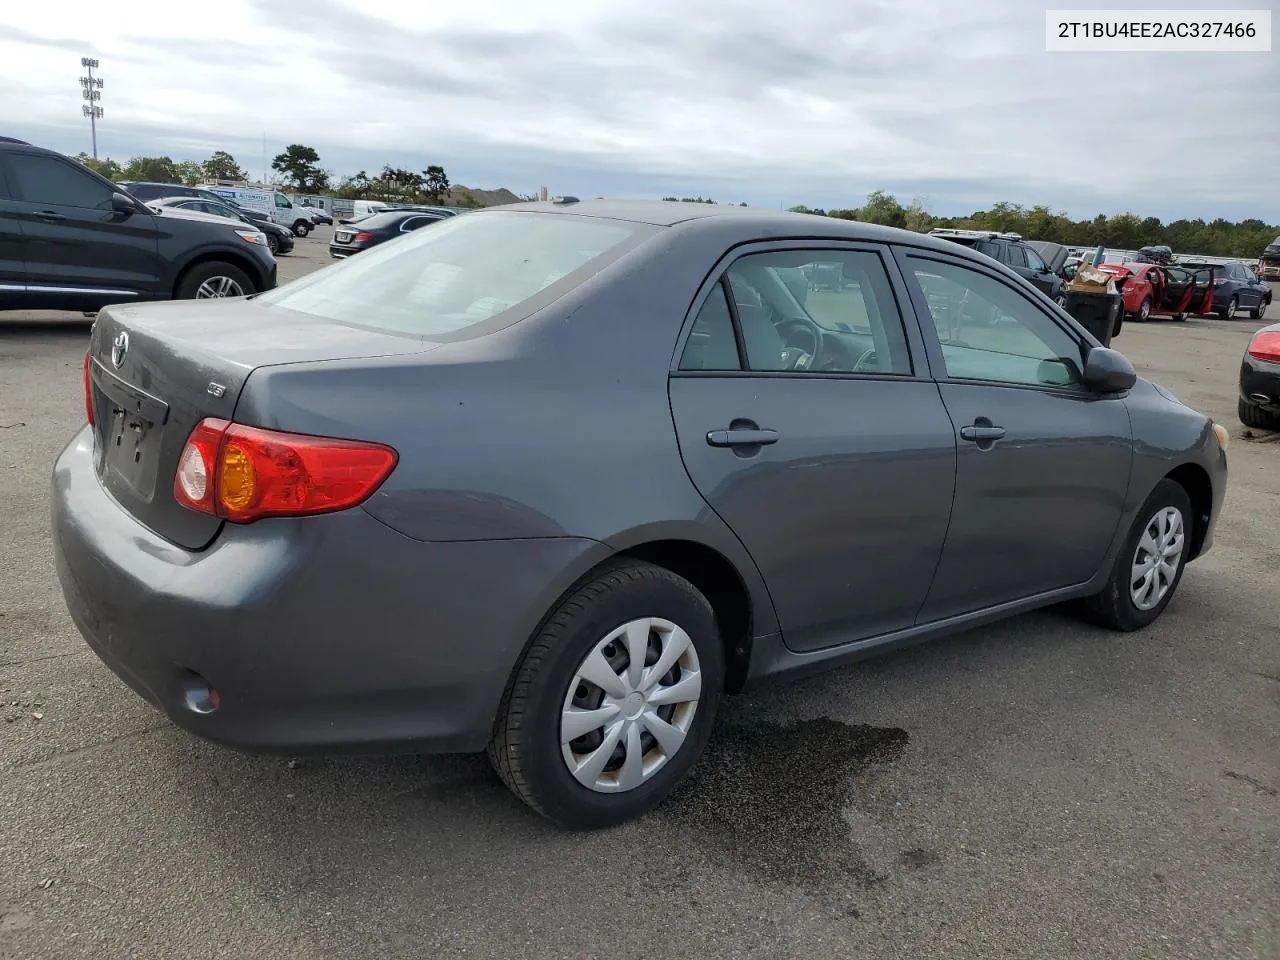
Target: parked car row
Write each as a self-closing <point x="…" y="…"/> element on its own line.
<point x="279" y="239"/>
<point x="73" y="240"/>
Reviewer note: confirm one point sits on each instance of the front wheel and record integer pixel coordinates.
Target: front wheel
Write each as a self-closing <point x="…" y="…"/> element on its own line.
<point x="273" y="244"/>
<point x="1149" y="566"/>
<point x="301" y="228"/>
<point x="214" y="279"/>
<point x="1144" y="310"/>
<point x="1257" y="312"/>
<point x="1229" y="311"/>
<point x="613" y="702"/>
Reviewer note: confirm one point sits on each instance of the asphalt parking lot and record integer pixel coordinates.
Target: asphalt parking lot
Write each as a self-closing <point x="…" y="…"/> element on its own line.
<point x="1035" y="789"/>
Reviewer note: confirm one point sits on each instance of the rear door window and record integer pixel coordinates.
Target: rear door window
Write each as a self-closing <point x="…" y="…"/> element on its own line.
<point x="52" y="181"/>
<point x="1015" y="256"/>
<point x="466" y="271"/>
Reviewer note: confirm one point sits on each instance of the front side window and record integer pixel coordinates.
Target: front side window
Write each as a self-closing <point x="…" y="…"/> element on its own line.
<point x="818" y="311"/>
<point x="988" y="331"/>
<point x="1034" y="261"/>
<point x="467" y="270"/>
<point x="51" y="181"/>
<point x="282" y="201"/>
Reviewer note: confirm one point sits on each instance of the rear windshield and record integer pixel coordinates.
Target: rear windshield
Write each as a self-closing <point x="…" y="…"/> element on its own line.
<point x="463" y="271"/>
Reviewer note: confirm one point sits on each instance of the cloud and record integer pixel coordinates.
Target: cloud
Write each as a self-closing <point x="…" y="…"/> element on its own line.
<point x="816" y="101"/>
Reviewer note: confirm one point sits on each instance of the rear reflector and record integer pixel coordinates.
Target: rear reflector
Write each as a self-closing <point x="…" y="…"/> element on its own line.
<point x="245" y="473"/>
<point x="1266" y="346"/>
<point x="88" y="389"/>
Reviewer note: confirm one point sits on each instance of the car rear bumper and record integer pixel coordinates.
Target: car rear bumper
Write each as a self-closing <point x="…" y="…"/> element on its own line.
<point x="1260" y="383"/>
<point x="324" y="633"/>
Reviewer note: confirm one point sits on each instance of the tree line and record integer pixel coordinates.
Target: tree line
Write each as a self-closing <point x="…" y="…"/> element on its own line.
<point x="1125" y="231"/>
<point x="299" y="169"/>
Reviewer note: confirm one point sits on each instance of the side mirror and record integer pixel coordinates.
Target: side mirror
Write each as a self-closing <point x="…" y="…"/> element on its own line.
<point x="123" y="203"/>
<point x="1108" y="371"/>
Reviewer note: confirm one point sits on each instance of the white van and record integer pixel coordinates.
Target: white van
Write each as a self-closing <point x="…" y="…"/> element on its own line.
<point x="276" y="205"/>
<point x="365" y="208"/>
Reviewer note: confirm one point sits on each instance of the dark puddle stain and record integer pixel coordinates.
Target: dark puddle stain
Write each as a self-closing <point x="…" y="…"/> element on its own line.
<point x="770" y="797"/>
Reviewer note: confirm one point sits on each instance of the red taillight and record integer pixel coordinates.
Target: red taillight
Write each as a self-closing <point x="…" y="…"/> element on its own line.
<point x="245" y="473"/>
<point x="88" y="389"/>
<point x="362" y="236"/>
<point x="1266" y="346"/>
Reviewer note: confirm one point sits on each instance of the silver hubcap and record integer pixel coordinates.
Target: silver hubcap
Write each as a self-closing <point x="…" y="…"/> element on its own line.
<point x="1146" y="309"/>
<point x="630" y="705"/>
<point x="1231" y="307"/>
<point x="1155" y="562"/>
<point x="219" y="287"/>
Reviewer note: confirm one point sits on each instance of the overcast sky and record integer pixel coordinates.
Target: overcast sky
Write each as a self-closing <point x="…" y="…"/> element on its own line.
<point x="775" y="102"/>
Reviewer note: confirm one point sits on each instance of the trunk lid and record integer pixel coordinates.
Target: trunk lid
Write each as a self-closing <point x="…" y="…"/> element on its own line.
<point x="156" y="370"/>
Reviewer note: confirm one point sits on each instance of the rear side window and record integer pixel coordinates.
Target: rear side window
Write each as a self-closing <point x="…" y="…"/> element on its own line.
<point x="711" y="344"/>
<point x="1014" y="256"/>
<point x="54" y="182"/>
<point x="460" y="273"/>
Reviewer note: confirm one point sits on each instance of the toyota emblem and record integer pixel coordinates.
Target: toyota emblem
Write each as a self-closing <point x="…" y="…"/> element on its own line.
<point x="119" y="347"/>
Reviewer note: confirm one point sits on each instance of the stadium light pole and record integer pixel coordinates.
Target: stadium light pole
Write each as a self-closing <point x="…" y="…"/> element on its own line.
<point x="91" y="92"/>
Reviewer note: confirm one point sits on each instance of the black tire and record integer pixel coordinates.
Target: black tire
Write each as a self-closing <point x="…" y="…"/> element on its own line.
<point x="525" y="746"/>
<point x="1229" y="311"/>
<point x="1252" y="415"/>
<point x="301" y="228"/>
<point x="273" y="244"/>
<point x="1179" y="317"/>
<point x="1144" y="310"/>
<point x="1113" y="605"/>
<point x="191" y="281"/>
<point x="1260" y="310"/>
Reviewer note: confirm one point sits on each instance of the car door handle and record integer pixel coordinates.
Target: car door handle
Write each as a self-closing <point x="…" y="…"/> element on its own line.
<point x="741" y="438"/>
<point x="50" y="215"/>
<point x="979" y="433"/>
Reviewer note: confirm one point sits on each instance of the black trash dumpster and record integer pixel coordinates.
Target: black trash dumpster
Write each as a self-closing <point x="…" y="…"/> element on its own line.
<point x="1099" y="313"/>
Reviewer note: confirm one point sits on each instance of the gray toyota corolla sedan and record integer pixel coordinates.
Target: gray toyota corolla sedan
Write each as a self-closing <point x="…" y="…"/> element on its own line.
<point x="550" y="479"/>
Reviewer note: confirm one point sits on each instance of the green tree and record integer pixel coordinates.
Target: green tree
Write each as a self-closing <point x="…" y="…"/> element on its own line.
<point x="435" y="184"/>
<point x="153" y="169"/>
<point x="300" y="166"/>
<point x="106" y="166"/>
<point x="223" y="166"/>
<point x="917" y="218"/>
<point x="883" y="208"/>
<point x="190" y="172"/>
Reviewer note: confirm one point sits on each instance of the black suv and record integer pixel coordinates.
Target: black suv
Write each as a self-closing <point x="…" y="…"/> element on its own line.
<point x="71" y="240"/>
<point x="1014" y="253"/>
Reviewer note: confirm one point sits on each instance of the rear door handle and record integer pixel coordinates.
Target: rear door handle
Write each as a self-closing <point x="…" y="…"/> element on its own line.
<point x="741" y="438"/>
<point x="50" y="215"/>
<point x="979" y="433"/>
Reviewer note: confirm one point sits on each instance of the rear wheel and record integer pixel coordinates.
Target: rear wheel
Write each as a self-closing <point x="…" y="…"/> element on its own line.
<point x="1149" y="566"/>
<point x="214" y="279"/>
<point x="1252" y="415"/>
<point x="1179" y="317"/>
<point x="1229" y="311"/>
<point x="301" y="228"/>
<point x="613" y="703"/>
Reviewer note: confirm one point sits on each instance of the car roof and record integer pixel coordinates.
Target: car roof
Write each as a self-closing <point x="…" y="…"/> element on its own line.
<point x="753" y="222"/>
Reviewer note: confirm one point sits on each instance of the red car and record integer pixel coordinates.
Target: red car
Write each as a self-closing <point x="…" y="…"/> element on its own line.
<point x="1160" y="290"/>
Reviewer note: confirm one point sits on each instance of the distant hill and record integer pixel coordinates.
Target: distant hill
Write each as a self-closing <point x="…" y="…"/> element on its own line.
<point x="485" y="198"/>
